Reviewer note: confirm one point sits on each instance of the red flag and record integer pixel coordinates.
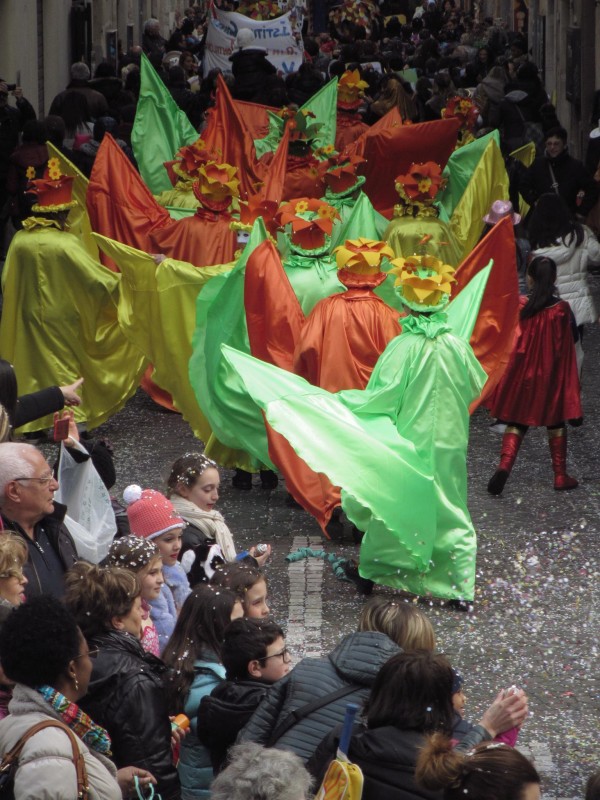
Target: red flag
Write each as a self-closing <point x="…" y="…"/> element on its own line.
<point x="493" y="337"/>
<point x="119" y="203"/>
<point x="390" y="148"/>
<point x="274" y="320"/>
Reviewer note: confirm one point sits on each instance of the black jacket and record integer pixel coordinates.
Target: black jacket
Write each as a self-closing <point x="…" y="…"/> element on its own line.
<point x="223" y="713"/>
<point x="60" y="539"/>
<point x="571" y="176"/>
<point x="355" y="661"/>
<point x="387" y="757"/>
<point x="38" y="404"/>
<point x="250" y="68"/>
<point x="12" y="121"/>
<point x="126" y="697"/>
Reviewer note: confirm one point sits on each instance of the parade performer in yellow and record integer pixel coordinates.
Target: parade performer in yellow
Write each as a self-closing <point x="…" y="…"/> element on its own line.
<point x="59" y="318"/>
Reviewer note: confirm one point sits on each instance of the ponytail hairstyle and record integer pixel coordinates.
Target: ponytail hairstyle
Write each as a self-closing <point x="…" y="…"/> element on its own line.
<point x="198" y="634"/>
<point x="542" y="271"/>
<point x="95" y="595"/>
<point x="491" y="771"/>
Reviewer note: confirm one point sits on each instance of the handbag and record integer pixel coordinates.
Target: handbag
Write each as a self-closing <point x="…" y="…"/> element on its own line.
<point x="10" y="761"/>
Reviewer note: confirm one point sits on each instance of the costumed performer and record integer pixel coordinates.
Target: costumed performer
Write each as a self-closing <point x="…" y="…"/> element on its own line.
<point x="205" y="238"/>
<point x="541" y="384"/>
<point x="464" y="110"/>
<point x="416" y="218"/>
<point x="343" y="187"/>
<point x="350" y="124"/>
<point x="410" y="425"/>
<point x="60" y="311"/>
<point x="183" y="171"/>
<point x="345" y="334"/>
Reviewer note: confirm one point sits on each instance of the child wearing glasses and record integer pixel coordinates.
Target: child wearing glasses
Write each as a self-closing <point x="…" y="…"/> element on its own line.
<point x="254" y="656"/>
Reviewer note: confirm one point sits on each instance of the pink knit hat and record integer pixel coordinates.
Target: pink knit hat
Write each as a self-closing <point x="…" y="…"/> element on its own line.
<point x="150" y="513"/>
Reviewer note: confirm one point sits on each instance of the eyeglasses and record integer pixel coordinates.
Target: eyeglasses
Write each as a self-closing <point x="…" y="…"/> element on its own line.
<point x="284" y="654"/>
<point x="43" y="481"/>
<point x="90" y="654"/>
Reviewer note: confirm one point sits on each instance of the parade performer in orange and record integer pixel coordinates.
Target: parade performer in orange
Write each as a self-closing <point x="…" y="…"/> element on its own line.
<point x="350" y="124"/>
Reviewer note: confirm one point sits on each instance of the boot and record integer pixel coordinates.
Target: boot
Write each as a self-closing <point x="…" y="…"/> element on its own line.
<point x="557" y="439"/>
<point x="242" y="480"/>
<point x="511" y="441"/>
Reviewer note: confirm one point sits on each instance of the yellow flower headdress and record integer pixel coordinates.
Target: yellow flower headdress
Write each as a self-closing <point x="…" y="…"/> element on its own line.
<point x="423" y="282"/>
<point x="362" y="256"/>
<point x="216" y="185"/>
<point x="54" y="191"/>
<point x="350" y="90"/>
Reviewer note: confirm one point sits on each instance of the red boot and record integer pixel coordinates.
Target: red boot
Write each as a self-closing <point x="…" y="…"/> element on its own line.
<point x="511" y="441"/>
<point x="557" y="439"/>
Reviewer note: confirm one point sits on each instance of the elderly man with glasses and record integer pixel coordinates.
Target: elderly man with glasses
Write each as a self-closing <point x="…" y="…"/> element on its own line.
<point x="27" y="507"/>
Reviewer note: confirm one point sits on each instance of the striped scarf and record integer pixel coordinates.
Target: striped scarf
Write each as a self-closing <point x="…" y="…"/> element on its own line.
<point x="77" y="720"/>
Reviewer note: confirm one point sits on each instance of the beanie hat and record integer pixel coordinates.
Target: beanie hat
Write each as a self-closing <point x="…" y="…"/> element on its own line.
<point x="245" y="38"/>
<point x="150" y="514"/>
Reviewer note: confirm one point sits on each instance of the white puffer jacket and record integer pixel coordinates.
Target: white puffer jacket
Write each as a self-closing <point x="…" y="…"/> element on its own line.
<point x="572" y="279"/>
<point x="46" y="770"/>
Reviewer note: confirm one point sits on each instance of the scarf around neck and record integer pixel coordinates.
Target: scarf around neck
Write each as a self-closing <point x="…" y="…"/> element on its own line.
<point x="211" y="523"/>
<point x="77" y="720"/>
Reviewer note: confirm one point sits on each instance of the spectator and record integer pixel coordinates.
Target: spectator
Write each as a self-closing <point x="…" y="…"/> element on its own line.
<point x="108" y="84"/>
<point x="13" y="555"/>
<point x="255" y="657"/>
<point x="592" y="787"/>
<point x="31" y="153"/>
<point x="27" y="487"/>
<point x="44" y="653"/>
<point x="153" y="43"/>
<point x="557" y="171"/>
<point x="125" y="693"/>
<point x="280" y="776"/>
<point x="79" y="84"/>
<point x="489" y="772"/>
<point x="189" y="102"/>
<point x="249" y="65"/>
<point x="79" y="127"/>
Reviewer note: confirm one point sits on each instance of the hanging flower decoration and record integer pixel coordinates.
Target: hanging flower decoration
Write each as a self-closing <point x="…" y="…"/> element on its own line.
<point x="260" y="9"/>
<point x="464" y="109"/>
<point x="54" y="172"/>
<point x="362" y="256"/>
<point x="217" y="184"/>
<point x="423" y="282"/>
<point x="310" y="221"/>
<point x="350" y="89"/>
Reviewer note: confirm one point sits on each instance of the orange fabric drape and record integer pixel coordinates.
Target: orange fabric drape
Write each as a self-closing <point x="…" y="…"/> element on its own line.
<point x="349" y="127"/>
<point x="497" y="324"/>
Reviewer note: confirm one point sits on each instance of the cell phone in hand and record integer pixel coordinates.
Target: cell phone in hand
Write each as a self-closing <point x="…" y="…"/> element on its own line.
<point x="61" y="429"/>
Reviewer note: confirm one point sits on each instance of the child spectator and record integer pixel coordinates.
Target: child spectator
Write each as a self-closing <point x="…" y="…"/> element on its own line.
<point x="254" y="656"/>
<point x="461" y="727"/>
<point x="152" y="517"/>
<point x="194" y="653"/>
<point x="248" y="583"/>
<point x="143" y="559"/>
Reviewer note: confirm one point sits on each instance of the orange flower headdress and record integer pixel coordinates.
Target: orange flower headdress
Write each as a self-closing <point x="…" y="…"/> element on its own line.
<point x="350" y="90"/>
<point x="54" y="191"/>
<point x="418" y="189"/>
<point x="188" y="160"/>
<point x="423" y="282"/>
<point x="465" y="110"/>
<point x="251" y="210"/>
<point x="339" y="174"/>
<point x="216" y="185"/>
<point x="310" y="223"/>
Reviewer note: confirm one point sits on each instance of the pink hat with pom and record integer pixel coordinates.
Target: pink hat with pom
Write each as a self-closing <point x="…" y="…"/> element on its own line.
<point x="150" y="513"/>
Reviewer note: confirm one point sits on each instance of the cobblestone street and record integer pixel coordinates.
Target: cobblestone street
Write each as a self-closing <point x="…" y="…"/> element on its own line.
<point x="536" y="615"/>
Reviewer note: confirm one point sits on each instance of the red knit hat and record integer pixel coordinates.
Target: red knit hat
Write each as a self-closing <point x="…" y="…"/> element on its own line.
<point x="150" y="513"/>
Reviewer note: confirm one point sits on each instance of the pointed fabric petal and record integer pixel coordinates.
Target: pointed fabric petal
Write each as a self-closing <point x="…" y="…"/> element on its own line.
<point x="390" y="148"/>
<point x="119" y="203"/>
<point x="79" y="221"/>
<point x="159" y="130"/>
<point x="323" y="105"/>
<point x="157" y="313"/>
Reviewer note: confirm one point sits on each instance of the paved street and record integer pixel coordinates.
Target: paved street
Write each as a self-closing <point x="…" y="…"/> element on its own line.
<point x="537" y="609"/>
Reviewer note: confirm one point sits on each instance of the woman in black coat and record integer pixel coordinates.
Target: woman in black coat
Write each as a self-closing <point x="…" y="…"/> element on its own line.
<point x="125" y="693"/>
<point x="249" y="66"/>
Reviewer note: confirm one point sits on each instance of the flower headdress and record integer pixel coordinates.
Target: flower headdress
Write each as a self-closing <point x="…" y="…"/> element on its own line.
<point x="303" y="132"/>
<point x="216" y="185"/>
<point x="423" y="282"/>
<point x="418" y="189"/>
<point x="188" y="160"/>
<point x="339" y="174"/>
<point x="54" y="191"/>
<point x="310" y="223"/>
<point x="362" y="256"/>
<point x="465" y="110"/>
<point x="350" y="90"/>
<point x="251" y="210"/>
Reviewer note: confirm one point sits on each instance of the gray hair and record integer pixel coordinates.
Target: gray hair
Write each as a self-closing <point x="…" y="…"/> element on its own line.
<point x="150" y="23"/>
<point x="257" y="773"/>
<point x="80" y="71"/>
<point x="14" y="464"/>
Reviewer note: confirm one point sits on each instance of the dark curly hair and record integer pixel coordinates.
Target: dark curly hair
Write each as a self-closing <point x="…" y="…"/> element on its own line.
<point x="37" y="642"/>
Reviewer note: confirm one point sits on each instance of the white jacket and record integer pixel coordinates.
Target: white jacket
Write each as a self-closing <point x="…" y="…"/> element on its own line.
<point x="46" y="770"/>
<point x="572" y="280"/>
